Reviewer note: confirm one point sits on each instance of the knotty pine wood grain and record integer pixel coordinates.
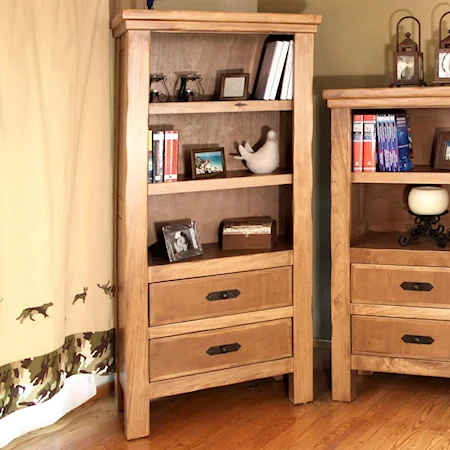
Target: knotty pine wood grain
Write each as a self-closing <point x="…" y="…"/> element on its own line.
<point x="301" y="381"/>
<point x="340" y="253"/>
<point x="390" y="412"/>
<point x="132" y="270"/>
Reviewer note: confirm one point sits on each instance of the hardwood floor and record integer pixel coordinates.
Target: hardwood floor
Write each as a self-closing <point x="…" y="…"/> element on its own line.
<point x="390" y="412"/>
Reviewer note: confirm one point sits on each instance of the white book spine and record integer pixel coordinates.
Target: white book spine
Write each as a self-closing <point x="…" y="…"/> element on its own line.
<point x="279" y="70"/>
<point x="268" y="63"/>
<point x="291" y="78"/>
<point x="287" y="72"/>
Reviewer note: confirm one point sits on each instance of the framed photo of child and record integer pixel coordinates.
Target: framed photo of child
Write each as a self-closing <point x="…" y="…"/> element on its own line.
<point x="182" y="241"/>
<point x="208" y="163"/>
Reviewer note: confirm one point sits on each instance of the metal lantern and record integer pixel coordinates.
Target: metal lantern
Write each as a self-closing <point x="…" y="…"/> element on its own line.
<point x="408" y="60"/>
<point x="161" y="94"/>
<point x="442" y="61"/>
<point x="189" y="86"/>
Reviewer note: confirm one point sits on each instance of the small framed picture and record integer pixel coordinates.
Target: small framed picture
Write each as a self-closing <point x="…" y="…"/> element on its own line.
<point x="234" y="86"/>
<point x="442" y="148"/>
<point x="207" y="163"/>
<point x="182" y="241"/>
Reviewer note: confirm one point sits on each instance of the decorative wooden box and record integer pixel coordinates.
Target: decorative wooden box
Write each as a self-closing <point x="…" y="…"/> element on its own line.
<point x="249" y="233"/>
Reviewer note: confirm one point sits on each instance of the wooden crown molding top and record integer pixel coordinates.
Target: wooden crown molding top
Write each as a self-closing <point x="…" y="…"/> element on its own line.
<point x="221" y="22"/>
<point x="405" y="97"/>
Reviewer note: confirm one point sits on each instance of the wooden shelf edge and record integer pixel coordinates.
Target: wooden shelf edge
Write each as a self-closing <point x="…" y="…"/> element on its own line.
<point x="219" y="184"/>
<point x="215" y="323"/>
<point x="224" y="377"/>
<point x="402" y="312"/>
<point x="220" y="265"/>
<point x="208" y="107"/>
<point x="420" y="175"/>
<point x="401" y="366"/>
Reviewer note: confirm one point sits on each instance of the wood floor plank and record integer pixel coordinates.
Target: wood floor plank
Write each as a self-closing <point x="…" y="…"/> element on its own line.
<point x="390" y="412"/>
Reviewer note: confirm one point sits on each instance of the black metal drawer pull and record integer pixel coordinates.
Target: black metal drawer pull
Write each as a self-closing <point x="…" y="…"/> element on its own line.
<point x="221" y="349"/>
<point x="412" y="286"/>
<point x="421" y="340"/>
<point x="223" y="295"/>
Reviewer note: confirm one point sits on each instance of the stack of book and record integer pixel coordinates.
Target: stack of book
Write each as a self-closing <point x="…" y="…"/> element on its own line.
<point x="382" y="142"/>
<point x="162" y="156"/>
<point x="276" y="77"/>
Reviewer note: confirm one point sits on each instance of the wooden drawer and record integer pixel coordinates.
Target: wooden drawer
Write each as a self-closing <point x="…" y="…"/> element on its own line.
<point x="385" y="285"/>
<point x="379" y="336"/>
<point x="188" y="354"/>
<point x="180" y="301"/>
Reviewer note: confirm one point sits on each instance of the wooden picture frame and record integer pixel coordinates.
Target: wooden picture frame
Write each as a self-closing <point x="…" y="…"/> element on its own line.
<point x="182" y="241"/>
<point x="234" y="86"/>
<point x="208" y="163"/>
<point x="441" y="149"/>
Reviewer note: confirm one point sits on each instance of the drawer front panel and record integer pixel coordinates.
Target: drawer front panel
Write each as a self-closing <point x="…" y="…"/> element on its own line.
<point x="404" y="338"/>
<point x="213" y="350"/>
<point x="401" y="285"/>
<point x="200" y="298"/>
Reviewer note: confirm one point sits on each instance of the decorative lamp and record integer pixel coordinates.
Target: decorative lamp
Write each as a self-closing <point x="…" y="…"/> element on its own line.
<point x="442" y="61"/>
<point x="408" y="60"/>
<point x="189" y="86"/>
<point x="155" y="93"/>
<point x="428" y="204"/>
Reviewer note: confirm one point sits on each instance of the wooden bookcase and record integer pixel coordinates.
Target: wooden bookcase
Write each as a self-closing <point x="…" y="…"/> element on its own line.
<point x="371" y="311"/>
<point x="165" y="324"/>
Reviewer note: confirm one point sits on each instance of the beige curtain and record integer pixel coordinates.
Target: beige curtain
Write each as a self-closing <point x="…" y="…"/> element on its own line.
<point x="56" y="207"/>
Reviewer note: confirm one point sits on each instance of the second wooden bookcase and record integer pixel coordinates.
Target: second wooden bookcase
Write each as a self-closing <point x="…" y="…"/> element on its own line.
<point x="165" y="322"/>
<point x="384" y="317"/>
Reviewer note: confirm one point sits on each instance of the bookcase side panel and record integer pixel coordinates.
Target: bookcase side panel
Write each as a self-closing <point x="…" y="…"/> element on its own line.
<point x="132" y="264"/>
<point x="301" y="380"/>
<point x="341" y="148"/>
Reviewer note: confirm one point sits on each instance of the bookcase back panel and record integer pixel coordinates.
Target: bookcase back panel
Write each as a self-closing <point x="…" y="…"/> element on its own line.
<point x="423" y="124"/>
<point x="209" y="55"/>
<point x="208" y="209"/>
<point x="384" y="208"/>
<point x="226" y="130"/>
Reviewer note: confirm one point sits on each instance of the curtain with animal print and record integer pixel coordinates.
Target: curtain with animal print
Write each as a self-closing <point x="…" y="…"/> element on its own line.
<point x="56" y="208"/>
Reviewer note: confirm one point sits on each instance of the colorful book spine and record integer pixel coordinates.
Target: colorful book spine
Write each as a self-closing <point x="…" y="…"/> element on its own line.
<point x="403" y="142"/>
<point x="411" y="158"/>
<point x="380" y="145"/>
<point x="369" y="143"/>
<point x="357" y="143"/>
<point x="393" y="132"/>
<point x="150" y="157"/>
<point x="158" y="156"/>
<point x="171" y="156"/>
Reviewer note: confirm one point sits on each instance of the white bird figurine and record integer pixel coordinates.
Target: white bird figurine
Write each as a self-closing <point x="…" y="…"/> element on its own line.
<point x="266" y="159"/>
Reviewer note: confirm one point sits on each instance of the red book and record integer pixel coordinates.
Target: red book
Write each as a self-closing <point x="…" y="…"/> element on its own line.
<point x="171" y="156"/>
<point x="358" y="143"/>
<point x="369" y="143"/>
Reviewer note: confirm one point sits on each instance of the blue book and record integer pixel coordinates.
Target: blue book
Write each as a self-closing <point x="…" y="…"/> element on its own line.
<point x="380" y="145"/>
<point x="404" y="152"/>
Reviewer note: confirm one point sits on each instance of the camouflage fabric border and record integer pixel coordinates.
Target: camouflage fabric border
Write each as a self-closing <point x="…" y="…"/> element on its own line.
<point x="35" y="380"/>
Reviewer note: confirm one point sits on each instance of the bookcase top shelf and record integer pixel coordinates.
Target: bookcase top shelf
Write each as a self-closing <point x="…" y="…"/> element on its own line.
<point x="418" y="175"/>
<point x="209" y="107"/>
<point x="375" y="98"/>
<point x="213" y="22"/>
<point x="234" y="179"/>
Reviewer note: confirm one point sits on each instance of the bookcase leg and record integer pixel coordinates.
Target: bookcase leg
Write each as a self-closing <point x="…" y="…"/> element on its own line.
<point x="137" y="417"/>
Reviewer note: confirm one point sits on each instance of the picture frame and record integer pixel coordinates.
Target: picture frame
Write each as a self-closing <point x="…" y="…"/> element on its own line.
<point x="441" y="149"/>
<point x="234" y="86"/>
<point x="208" y="163"/>
<point x="182" y="241"/>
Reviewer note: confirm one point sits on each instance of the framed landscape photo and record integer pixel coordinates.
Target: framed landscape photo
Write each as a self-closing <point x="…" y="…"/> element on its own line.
<point x="442" y="148"/>
<point x="182" y="241"/>
<point x="208" y="163"/>
<point x="234" y="86"/>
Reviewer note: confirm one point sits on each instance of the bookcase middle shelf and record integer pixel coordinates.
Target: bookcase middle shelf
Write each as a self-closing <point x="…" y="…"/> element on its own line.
<point x="208" y="107"/>
<point x="234" y="179"/>
<point x="421" y="174"/>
